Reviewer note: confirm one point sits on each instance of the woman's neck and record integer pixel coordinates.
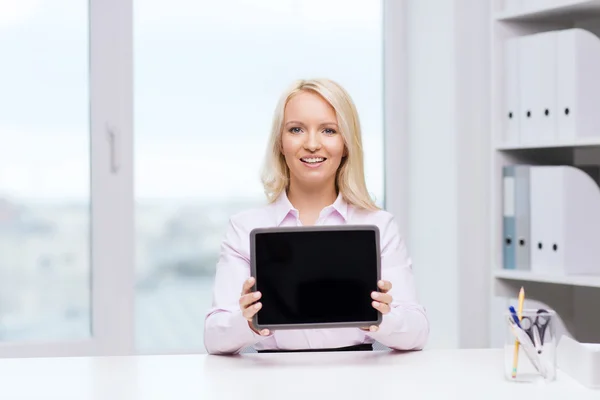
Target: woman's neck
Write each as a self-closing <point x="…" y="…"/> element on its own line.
<point x="310" y="202"/>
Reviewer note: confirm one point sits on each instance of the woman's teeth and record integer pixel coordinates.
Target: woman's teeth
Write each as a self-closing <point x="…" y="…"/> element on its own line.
<point x="312" y="160"/>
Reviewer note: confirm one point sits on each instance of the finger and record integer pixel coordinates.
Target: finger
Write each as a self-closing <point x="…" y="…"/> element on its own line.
<point x="382" y="297"/>
<point x="382" y="307"/>
<point x="247" y="285"/>
<point x="264" y="332"/>
<point x="385" y="286"/>
<point x="372" y="328"/>
<point x="248" y="299"/>
<point x="249" y="312"/>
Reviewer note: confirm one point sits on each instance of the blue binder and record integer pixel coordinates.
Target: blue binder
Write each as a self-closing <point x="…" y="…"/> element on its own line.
<point x="508" y="217"/>
<point x="516" y="224"/>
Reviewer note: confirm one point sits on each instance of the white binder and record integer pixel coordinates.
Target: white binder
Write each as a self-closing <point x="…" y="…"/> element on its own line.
<point x="527" y="88"/>
<point x="522" y="218"/>
<point x="565" y="221"/>
<point x="511" y="112"/>
<point x="537" y="88"/>
<point x="545" y="95"/>
<point x="546" y="216"/>
<point x="578" y="90"/>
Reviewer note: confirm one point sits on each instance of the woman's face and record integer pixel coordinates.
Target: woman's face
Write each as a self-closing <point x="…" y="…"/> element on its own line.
<point x="311" y="143"/>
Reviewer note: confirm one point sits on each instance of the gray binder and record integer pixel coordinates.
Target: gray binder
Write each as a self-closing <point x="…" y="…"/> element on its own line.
<point x="508" y="218"/>
<point x="522" y="218"/>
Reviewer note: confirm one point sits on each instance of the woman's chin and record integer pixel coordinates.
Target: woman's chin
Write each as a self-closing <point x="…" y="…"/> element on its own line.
<point x="316" y="180"/>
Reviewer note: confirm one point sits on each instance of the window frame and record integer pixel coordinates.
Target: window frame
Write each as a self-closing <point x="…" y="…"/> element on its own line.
<point x="111" y="197"/>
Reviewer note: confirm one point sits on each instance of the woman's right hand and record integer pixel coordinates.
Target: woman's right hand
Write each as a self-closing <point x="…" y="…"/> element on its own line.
<point x="250" y="305"/>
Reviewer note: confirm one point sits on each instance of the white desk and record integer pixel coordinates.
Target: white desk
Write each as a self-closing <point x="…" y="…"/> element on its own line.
<point x="430" y="374"/>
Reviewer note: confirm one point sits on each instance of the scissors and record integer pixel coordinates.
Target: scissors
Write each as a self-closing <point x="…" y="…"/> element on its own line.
<point x="535" y="327"/>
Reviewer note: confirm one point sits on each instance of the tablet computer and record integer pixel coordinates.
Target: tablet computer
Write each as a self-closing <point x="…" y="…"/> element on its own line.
<point x="316" y="276"/>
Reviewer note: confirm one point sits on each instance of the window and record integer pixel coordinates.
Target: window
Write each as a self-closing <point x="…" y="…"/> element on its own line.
<point x="207" y="75"/>
<point x="44" y="171"/>
<point x="199" y="98"/>
<point x="66" y="213"/>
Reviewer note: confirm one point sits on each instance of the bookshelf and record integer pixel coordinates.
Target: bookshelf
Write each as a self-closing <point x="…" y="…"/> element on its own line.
<point x="557" y="279"/>
<point x="573" y="10"/>
<point x="575" y="144"/>
<point x="574" y="297"/>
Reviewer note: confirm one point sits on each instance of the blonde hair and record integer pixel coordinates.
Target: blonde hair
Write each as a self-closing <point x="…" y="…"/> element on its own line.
<point x="350" y="177"/>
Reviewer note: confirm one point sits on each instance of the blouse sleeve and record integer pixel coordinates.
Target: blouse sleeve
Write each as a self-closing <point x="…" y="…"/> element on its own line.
<point x="226" y="331"/>
<point x="406" y="326"/>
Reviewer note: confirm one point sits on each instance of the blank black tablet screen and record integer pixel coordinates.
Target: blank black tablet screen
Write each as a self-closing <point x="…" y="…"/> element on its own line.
<point x="316" y="276"/>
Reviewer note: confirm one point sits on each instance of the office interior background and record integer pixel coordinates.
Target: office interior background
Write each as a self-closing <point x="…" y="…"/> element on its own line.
<point x="131" y="130"/>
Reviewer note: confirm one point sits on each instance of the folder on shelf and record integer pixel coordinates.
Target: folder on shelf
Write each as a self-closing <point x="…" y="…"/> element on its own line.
<point x="516" y="218"/>
<point x="551" y="79"/>
<point x="527" y="88"/>
<point x="537" y="88"/>
<point x="522" y="217"/>
<point x="511" y="112"/>
<point x="578" y="86"/>
<point x="508" y="218"/>
<point x="565" y="221"/>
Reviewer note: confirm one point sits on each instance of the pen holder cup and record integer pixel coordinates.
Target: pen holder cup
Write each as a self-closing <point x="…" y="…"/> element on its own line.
<point x="530" y="346"/>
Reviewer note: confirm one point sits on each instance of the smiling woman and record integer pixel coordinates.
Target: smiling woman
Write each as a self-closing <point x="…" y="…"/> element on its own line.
<point x="315" y="130"/>
<point x="311" y="144"/>
<point x="313" y="175"/>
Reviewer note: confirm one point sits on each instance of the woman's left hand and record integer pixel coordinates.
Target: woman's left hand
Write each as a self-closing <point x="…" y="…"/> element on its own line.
<point x="381" y="301"/>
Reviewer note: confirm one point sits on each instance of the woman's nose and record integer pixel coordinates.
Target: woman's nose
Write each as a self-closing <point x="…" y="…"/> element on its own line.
<point x="312" y="142"/>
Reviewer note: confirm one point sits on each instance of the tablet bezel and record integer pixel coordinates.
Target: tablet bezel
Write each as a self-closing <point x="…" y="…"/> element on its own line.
<point x="321" y="228"/>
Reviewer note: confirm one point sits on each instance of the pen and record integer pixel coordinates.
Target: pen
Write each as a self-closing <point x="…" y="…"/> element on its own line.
<point x="515" y="317"/>
<point x="520" y="315"/>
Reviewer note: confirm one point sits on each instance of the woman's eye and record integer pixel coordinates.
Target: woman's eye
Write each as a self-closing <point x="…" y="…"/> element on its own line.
<point x="295" y="130"/>
<point x="329" y="131"/>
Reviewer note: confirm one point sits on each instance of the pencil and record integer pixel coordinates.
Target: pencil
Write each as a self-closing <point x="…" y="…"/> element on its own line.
<point x="520" y="316"/>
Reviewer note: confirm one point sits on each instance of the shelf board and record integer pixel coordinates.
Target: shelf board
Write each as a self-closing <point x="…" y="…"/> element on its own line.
<point x="528" y="276"/>
<point x="580" y="142"/>
<point x="569" y="10"/>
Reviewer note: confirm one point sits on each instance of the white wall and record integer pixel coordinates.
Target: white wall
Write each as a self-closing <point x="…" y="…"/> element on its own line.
<point x="473" y="110"/>
<point x="447" y="124"/>
<point x="432" y="163"/>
